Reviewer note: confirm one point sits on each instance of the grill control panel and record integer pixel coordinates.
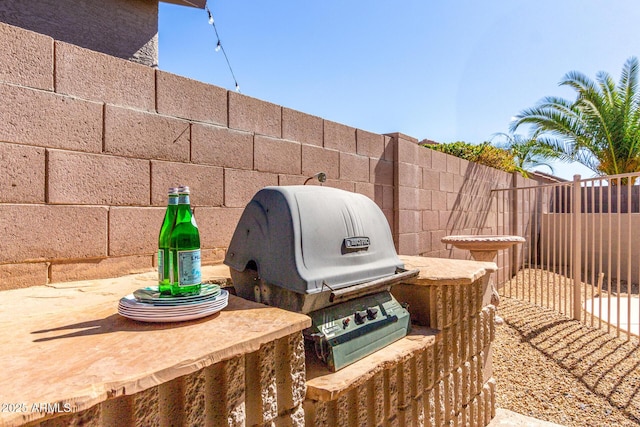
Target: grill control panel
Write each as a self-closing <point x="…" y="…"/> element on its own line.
<point x="346" y="332"/>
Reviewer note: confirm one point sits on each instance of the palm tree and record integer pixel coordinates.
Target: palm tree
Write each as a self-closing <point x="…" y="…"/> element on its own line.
<point x="600" y="129"/>
<point x="528" y="153"/>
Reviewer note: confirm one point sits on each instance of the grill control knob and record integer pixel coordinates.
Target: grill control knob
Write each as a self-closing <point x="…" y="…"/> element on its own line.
<point x="360" y="317"/>
<point x="345" y="322"/>
<point x="372" y="313"/>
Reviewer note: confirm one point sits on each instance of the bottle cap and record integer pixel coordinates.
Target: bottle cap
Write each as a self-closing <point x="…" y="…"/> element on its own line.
<point x="183" y="189"/>
<point x="173" y="190"/>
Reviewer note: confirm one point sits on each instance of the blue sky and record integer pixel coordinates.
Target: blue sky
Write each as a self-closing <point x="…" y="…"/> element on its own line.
<point x="443" y="70"/>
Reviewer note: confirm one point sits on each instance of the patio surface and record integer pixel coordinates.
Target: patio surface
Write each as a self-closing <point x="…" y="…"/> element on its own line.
<point x="506" y="418"/>
<point x="611" y="311"/>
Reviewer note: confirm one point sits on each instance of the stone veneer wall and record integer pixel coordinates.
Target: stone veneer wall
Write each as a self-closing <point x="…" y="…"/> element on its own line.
<point x="89" y="144"/>
<point x="266" y="387"/>
<point x="448" y="383"/>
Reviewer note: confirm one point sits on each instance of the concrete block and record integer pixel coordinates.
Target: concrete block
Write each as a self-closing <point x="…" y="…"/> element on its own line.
<point x="430" y="408"/>
<point x="294" y="180"/>
<point x="410" y="221"/>
<point x="354" y="167"/>
<point x="408" y="244"/>
<point x="179" y="96"/>
<point x="66" y="231"/>
<point x="26" y="58"/>
<point x="408" y="151"/>
<point x="366" y="189"/>
<point x="405" y="383"/>
<point x="389" y="148"/>
<point x="277" y="155"/>
<point x="343" y="185"/>
<point x="446" y="182"/>
<point x="95" y="76"/>
<point x="430" y="220"/>
<point x="254" y="115"/>
<point x="226" y="393"/>
<point x="240" y="186"/>
<point x="318" y="159"/>
<point x="391" y="392"/>
<point x="293" y="418"/>
<point x="100" y="268"/>
<point x="425" y="199"/>
<point x="439" y="403"/>
<point x="290" y="372"/>
<point x="346" y="412"/>
<point x="339" y="137"/>
<point x="449" y="392"/>
<point x="424" y="157"/>
<point x="145" y="407"/>
<point x="409" y="198"/>
<point x="409" y="175"/>
<point x="44" y="119"/>
<point x="438" y="201"/>
<point x="216" y="225"/>
<point x="370" y="144"/>
<point x="457" y="390"/>
<point x="134" y="231"/>
<point x="376" y="391"/>
<point x="262" y="403"/>
<point x="212" y="256"/>
<point x="24" y="275"/>
<point x="79" y="178"/>
<point x="213" y="145"/>
<point x="466" y="383"/>
<point x="22" y="180"/>
<point x="430" y="179"/>
<point x="438" y="161"/>
<point x="205" y="182"/>
<point x="316" y="413"/>
<point x="132" y="133"/>
<point x="381" y="172"/>
<point x="301" y="127"/>
<point x="362" y="399"/>
<point x="453" y="165"/>
<point x="194" y="398"/>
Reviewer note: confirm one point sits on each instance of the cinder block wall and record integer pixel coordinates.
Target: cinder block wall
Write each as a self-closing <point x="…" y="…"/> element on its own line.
<point x="89" y="143"/>
<point x="123" y="28"/>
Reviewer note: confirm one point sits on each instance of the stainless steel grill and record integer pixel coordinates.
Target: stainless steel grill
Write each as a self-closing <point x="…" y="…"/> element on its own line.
<point x="328" y="253"/>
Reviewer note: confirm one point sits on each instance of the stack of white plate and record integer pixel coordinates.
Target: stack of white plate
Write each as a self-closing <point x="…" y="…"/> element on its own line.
<point x="147" y="305"/>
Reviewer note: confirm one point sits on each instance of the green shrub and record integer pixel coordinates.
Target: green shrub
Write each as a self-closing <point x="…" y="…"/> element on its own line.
<point x="484" y="154"/>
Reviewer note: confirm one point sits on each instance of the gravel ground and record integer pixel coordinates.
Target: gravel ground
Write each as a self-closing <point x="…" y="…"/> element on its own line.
<point x="556" y="369"/>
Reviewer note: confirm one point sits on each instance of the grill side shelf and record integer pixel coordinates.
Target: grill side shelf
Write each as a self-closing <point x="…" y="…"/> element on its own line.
<point x="373" y="286"/>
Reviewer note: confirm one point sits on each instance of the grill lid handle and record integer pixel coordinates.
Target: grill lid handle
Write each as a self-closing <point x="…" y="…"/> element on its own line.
<point x="372" y="287"/>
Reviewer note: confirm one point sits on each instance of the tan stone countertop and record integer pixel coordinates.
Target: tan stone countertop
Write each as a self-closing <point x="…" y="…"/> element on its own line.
<point x="443" y="271"/>
<point x="66" y="342"/>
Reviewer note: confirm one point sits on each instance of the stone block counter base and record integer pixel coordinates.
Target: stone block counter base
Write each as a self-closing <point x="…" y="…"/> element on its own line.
<point x="69" y="359"/>
<point x="439" y="375"/>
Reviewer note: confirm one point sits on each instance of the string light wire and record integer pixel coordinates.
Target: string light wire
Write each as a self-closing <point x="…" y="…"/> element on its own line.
<point x="220" y="47"/>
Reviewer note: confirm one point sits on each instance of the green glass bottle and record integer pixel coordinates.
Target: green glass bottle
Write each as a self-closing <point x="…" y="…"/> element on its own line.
<point x="164" y="280"/>
<point x="184" y="249"/>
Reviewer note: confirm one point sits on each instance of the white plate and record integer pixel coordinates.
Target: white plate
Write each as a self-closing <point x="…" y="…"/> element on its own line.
<point x="175" y="312"/>
<point x="180" y="317"/>
<point x="130" y="301"/>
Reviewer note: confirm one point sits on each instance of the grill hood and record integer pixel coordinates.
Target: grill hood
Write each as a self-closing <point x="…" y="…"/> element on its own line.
<point x="308" y="239"/>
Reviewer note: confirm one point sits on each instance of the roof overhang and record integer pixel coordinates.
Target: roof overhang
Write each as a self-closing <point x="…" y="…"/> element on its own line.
<point x="191" y="3"/>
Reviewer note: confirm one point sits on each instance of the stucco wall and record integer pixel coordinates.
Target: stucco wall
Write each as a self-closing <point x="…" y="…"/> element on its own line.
<point x="89" y="144"/>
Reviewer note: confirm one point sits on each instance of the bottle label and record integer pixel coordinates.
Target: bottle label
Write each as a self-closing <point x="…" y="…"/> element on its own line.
<point x="160" y="265"/>
<point x="173" y="200"/>
<point x="189" y="271"/>
<point x="183" y="199"/>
